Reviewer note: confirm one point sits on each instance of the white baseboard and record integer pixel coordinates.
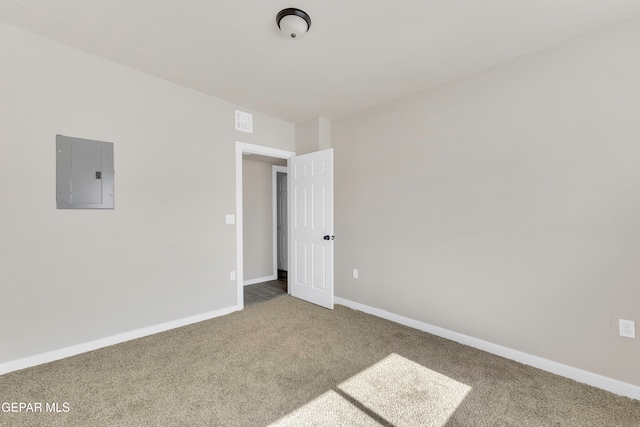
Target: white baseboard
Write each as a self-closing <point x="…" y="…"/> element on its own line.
<point x="259" y="280"/>
<point x="615" y="386"/>
<point x="62" y="353"/>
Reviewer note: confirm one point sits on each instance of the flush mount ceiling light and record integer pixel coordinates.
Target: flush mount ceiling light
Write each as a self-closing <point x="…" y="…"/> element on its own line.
<point x="294" y="23"/>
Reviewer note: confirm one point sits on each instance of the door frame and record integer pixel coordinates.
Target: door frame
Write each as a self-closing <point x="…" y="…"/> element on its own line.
<point x="274" y="190"/>
<point x="246" y="148"/>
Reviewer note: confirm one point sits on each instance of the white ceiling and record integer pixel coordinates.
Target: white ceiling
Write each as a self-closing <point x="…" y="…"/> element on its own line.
<point x="358" y="53"/>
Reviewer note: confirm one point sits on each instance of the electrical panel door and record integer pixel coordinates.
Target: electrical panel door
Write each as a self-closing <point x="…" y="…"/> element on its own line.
<point x="84" y="173"/>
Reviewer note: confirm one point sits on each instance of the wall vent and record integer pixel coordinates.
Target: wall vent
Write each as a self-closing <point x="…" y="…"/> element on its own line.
<point x="244" y="122"/>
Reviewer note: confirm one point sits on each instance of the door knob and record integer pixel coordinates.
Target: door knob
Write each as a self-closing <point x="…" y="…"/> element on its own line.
<point x="327" y="237"/>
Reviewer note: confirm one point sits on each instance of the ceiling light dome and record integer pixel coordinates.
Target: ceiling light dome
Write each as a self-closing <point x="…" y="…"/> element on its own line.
<point x="293" y="23"/>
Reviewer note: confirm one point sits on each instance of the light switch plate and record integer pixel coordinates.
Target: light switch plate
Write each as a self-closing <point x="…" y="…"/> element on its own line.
<point x="231" y="219"/>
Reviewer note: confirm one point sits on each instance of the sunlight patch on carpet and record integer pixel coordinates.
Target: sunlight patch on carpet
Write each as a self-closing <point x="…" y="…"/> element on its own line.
<point x="395" y="391"/>
<point x="329" y="409"/>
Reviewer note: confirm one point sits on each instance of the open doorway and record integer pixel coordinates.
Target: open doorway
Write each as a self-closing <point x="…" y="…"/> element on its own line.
<point x="310" y="231"/>
<point x="259" y="243"/>
<point x="264" y="228"/>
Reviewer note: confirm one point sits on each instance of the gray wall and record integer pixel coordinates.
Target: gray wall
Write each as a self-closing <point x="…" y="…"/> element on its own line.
<point x="313" y="135"/>
<point x="165" y="252"/>
<point x="257" y="212"/>
<point x="505" y="205"/>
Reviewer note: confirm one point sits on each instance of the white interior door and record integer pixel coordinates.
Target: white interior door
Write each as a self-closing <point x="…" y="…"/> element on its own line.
<point x="311" y="227"/>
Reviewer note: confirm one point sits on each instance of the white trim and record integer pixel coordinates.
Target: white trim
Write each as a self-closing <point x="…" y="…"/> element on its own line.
<point x="74" y="350"/>
<point x="596" y="380"/>
<point x="263" y="151"/>
<point x="246" y="148"/>
<point x="274" y="203"/>
<point x="259" y="280"/>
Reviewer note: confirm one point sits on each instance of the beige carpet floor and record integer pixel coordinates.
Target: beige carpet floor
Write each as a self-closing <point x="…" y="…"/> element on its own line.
<point x="289" y="363"/>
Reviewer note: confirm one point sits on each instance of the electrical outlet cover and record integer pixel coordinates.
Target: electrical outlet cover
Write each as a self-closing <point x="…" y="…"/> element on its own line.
<point x="627" y="328"/>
